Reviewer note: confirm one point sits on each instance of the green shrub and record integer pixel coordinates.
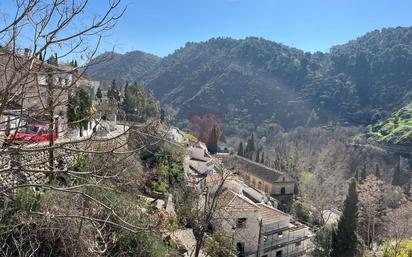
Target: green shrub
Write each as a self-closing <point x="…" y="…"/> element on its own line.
<point x="140" y="244"/>
<point x="81" y="163"/>
<point x="159" y="186"/>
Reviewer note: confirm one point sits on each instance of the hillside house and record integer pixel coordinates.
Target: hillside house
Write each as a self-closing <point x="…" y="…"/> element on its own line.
<point x="271" y="181"/>
<point x="260" y="230"/>
<point x="38" y="80"/>
<point x="200" y="165"/>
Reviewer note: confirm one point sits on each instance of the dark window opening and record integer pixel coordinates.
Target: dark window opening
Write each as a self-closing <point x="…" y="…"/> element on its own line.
<point x="279" y="253"/>
<point x="241" y="223"/>
<point x="280" y="234"/>
<point x="282" y="191"/>
<point x="241" y="249"/>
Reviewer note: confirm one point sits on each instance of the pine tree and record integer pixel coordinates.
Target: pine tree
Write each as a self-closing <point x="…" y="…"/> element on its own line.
<point x="344" y="239"/>
<point x="240" y="149"/>
<point x="79" y="110"/>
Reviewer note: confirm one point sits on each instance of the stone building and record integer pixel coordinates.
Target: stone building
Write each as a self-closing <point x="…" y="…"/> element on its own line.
<point x="273" y="182"/>
<point x="257" y="229"/>
<point x="29" y="83"/>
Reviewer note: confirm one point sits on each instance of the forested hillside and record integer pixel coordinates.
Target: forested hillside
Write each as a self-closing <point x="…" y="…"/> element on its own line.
<point x="397" y="129"/>
<point x="253" y="80"/>
<point x="122" y="67"/>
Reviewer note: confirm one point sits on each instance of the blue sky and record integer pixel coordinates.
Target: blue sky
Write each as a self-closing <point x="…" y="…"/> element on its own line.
<point x="161" y="26"/>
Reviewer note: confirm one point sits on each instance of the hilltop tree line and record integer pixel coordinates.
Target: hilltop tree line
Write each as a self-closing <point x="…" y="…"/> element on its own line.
<point x="254" y="80"/>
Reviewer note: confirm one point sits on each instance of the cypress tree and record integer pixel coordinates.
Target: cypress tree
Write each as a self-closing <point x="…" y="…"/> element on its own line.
<point x="262" y="158"/>
<point x="162" y="115"/>
<point x="127" y="101"/>
<point x="99" y="94"/>
<point x="250" y="147"/>
<point x="111" y="93"/>
<point x="252" y="143"/>
<point x="356" y="175"/>
<point x="377" y="171"/>
<point x="257" y="156"/>
<point x="240" y="149"/>
<point x="213" y="140"/>
<point x="344" y="238"/>
<point x="247" y="149"/>
<point x="396" y="181"/>
<point x="363" y="173"/>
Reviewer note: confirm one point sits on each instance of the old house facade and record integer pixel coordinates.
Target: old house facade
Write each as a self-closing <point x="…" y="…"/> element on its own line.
<point x="273" y="182"/>
<point x="258" y="229"/>
<point x="36" y="89"/>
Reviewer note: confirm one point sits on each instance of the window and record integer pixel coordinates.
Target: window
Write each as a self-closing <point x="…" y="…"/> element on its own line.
<point x="43" y="131"/>
<point x="280" y="235"/>
<point x="241" y="222"/>
<point x="241" y="249"/>
<point x="28" y="130"/>
<point x="298" y="244"/>
<point x="279" y="253"/>
<point x="282" y="191"/>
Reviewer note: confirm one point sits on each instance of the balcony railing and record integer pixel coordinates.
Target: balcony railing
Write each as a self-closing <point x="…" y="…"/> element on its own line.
<point x="278" y="243"/>
<point x="296" y="253"/>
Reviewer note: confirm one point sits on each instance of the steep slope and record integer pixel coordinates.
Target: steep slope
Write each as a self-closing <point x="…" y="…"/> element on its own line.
<point x="253" y="80"/>
<point x="245" y="80"/>
<point x="367" y="78"/>
<point x="397" y="129"/>
<point x="130" y="66"/>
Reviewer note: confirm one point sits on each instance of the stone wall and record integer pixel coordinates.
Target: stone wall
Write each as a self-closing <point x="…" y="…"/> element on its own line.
<point x="29" y="165"/>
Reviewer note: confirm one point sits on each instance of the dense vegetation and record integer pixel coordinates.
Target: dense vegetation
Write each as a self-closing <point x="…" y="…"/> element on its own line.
<point x="122" y="67"/>
<point x="254" y="80"/>
<point x="397" y="129"/>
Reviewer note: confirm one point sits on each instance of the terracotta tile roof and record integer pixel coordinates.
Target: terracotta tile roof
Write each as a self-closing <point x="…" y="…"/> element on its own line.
<point x="259" y="170"/>
<point x="232" y="201"/>
<point x="271" y="215"/>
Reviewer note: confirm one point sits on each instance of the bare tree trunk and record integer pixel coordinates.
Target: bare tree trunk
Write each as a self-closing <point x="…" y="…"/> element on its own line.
<point x="199" y="243"/>
<point x="50" y="101"/>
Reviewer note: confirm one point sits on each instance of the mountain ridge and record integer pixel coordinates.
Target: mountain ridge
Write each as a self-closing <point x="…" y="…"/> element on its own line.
<point x="254" y="80"/>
